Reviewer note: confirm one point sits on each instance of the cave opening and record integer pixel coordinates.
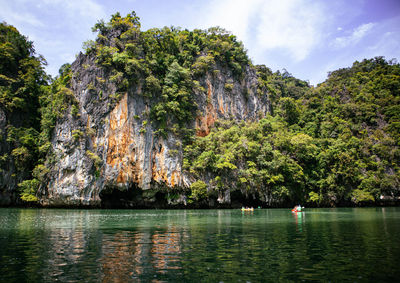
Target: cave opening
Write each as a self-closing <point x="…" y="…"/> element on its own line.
<point x="238" y="199"/>
<point x="133" y="197"/>
<point x="114" y="197"/>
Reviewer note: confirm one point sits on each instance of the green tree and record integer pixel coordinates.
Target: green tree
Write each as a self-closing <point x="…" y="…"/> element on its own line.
<point x="22" y="83"/>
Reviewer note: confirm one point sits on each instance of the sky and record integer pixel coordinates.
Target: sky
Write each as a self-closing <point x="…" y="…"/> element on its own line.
<point x="308" y="38"/>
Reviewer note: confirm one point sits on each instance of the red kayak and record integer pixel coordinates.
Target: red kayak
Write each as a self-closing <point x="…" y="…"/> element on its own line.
<point x="297" y="209"/>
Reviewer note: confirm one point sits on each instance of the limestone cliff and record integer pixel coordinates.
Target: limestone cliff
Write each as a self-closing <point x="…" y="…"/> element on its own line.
<point x="110" y="145"/>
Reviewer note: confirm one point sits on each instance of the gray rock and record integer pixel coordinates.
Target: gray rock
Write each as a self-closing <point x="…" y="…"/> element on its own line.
<point x="119" y="151"/>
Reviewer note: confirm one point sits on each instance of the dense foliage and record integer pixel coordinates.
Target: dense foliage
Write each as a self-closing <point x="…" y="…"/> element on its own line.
<point x="21" y="73"/>
<point x="334" y="144"/>
<point x="22" y="82"/>
<point x="32" y="108"/>
<point x="164" y="64"/>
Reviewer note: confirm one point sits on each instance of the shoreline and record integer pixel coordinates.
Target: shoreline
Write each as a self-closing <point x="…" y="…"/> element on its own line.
<point x="181" y="207"/>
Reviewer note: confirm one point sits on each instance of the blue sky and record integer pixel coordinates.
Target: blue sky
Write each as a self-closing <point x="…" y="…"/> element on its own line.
<point x="307" y="38"/>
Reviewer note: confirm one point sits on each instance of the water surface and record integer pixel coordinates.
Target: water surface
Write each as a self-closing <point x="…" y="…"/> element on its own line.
<point x="347" y="244"/>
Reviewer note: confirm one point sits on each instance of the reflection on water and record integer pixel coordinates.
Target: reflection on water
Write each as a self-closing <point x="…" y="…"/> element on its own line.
<point x="199" y="245"/>
<point x="300" y="217"/>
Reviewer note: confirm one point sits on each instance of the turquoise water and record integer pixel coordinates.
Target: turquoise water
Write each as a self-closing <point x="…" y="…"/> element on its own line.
<point x="346" y="244"/>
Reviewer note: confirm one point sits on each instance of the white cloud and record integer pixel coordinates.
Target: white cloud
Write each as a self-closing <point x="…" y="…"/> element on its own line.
<point x="233" y="15"/>
<point x="292" y="25"/>
<point x="387" y="40"/>
<point x="15" y="17"/>
<point x="77" y="8"/>
<point x="378" y="39"/>
<point x="388" y="46"/>
<point x="357" y="34"/>
<point x="52" y="14"/>
<point x="75" y="15"/>
<point x="57" y="27"/>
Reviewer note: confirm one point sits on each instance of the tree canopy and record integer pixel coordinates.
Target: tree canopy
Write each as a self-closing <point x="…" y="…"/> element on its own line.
<point x="22" y="83"/>
<point x="334" y="144"/>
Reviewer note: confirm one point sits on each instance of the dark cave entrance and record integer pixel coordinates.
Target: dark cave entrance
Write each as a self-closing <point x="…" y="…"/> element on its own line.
<point x="238" y="199"/>
<point x="113" y="197"/>
<point x="133" y="197"/>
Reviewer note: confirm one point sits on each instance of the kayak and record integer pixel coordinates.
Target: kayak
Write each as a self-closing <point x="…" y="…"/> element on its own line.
<point x="298" y="209"/>
<point x="247" y="209"/>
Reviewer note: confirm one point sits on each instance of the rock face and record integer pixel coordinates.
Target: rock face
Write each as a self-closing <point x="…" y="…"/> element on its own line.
<point x="6" y="180"/>
<point x="109" y="150"/>
<point x="9" y="175"/>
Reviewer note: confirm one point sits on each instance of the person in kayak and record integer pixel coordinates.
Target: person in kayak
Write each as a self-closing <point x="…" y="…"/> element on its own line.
<point x="297" y="208"/>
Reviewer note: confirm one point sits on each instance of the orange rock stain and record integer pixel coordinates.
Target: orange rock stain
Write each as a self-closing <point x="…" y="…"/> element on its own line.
<point x="204" y="123"/>
<point x="120" y="152"/>
<point x="174" y="178"/>
<point x="221" y="105"/>
<point x="158" y="172"/>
